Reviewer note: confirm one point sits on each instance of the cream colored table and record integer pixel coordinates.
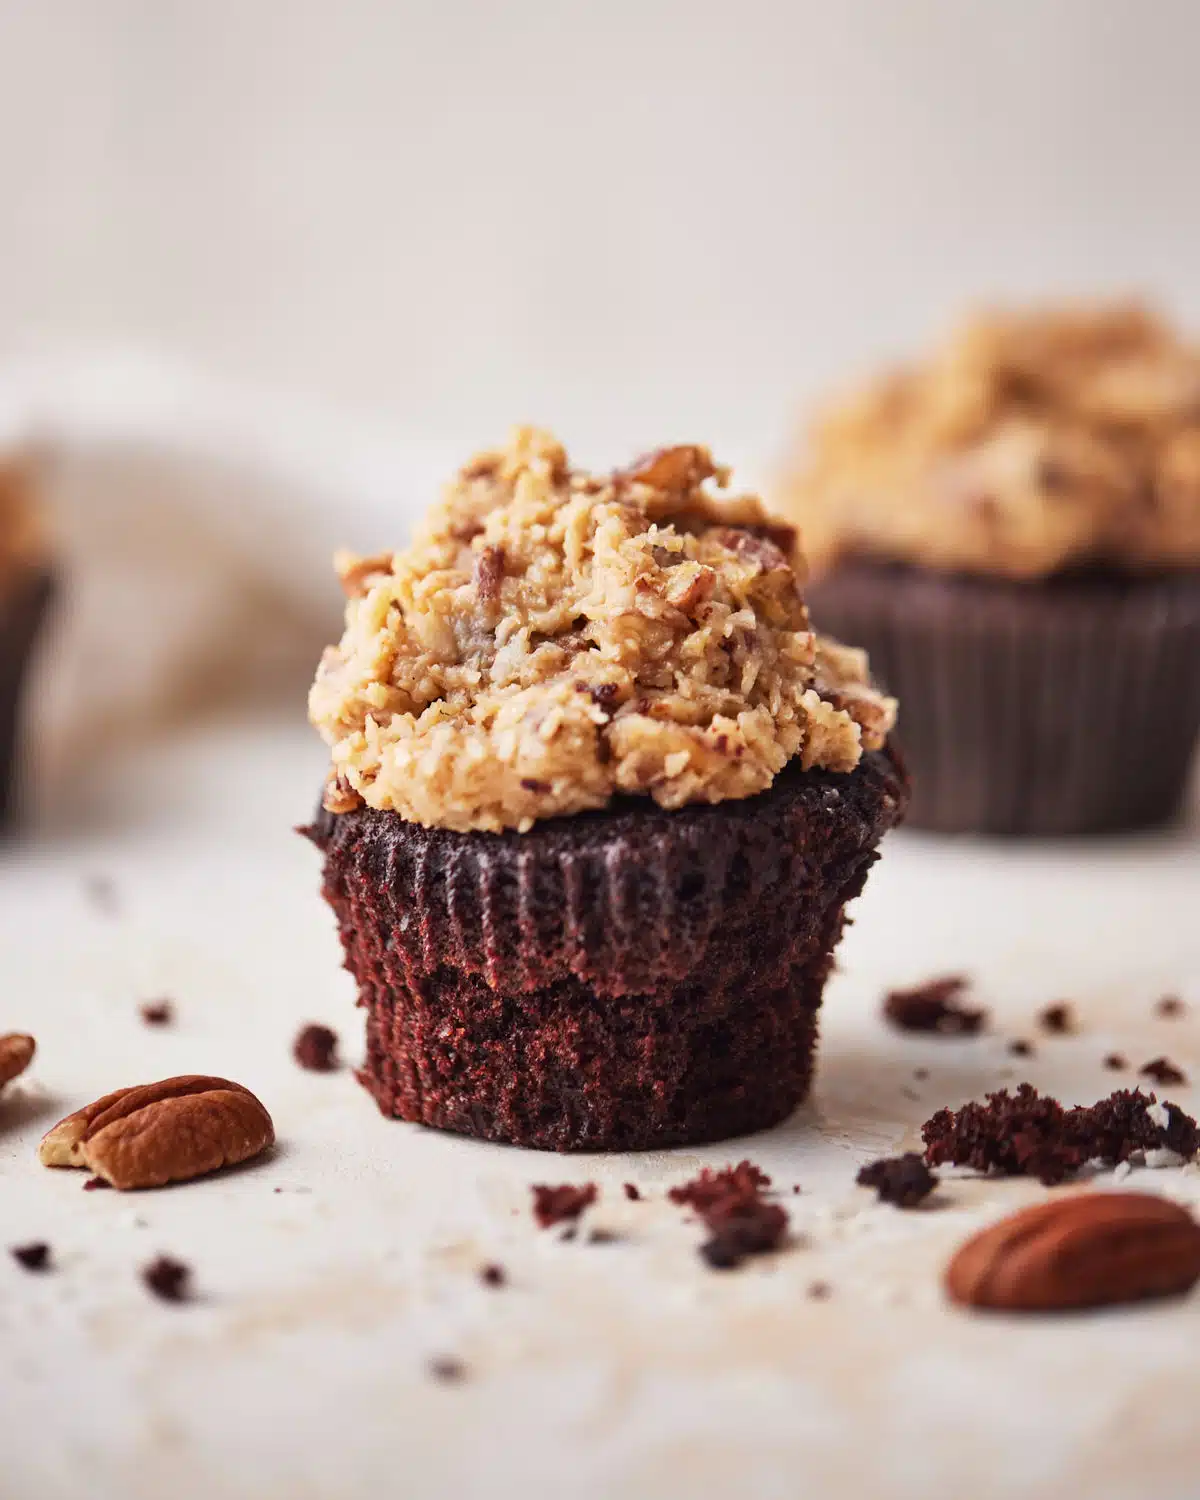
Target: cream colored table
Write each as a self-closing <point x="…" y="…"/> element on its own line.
<point x="330" y="1275"/>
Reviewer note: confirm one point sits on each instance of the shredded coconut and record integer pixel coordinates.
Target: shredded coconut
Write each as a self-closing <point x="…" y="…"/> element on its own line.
<point x="553" y="638"/>
<point x="1028" y="443"/>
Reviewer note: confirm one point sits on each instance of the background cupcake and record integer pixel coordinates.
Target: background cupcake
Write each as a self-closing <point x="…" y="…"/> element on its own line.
<point x="25" y="585"/>
<point x="598" y="799"/>
<point x="1012" y="530"/>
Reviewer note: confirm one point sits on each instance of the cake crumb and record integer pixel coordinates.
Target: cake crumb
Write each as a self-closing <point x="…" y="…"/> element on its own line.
<point x="904" y="1181"/>
<point x="94" y="1184"/>
<point x="559" y="1205"/>
<point x="168" y="1279"/>
<point x="740" y="1221"/>
<point x="920" y="1074"/>
<point x="157" y="1013"/>
<point x="633" y="1192"/>
<point x="34" y="1257"/>
<point x="1027" y="1134"/>
<point x="604" y="1237"/>
<point x="1058" y="1019"/>
<point x="1019" y="1047"/>
<point x="1115" y="1062"/>
<point x="934" y="1007"/>
<point x="1169" y="1007"/>
<point x="820" y="1291"/>
<point x="448" y="1369"/>
<point x="493" y="1275"/>
<point x="1162" y="1070"/>
<point x="315" y="1048"/>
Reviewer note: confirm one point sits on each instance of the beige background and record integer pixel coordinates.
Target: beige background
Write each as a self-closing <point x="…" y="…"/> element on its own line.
<point x="636" y="220"/>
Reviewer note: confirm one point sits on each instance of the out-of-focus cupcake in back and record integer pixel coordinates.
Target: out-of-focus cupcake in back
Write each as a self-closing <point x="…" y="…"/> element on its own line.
<point x="26" y="583"/>
<point x="1011" y="529"/>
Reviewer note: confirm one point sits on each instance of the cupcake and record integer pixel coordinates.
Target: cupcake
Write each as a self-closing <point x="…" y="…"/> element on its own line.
<point x="1012" y="531"/>
<point x="597" y="802"/>
<point x="25" y="585"/>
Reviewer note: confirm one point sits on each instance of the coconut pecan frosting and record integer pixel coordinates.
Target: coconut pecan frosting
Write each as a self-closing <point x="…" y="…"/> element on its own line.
<point x="1029" y="443"/>
<point x="553" y="638"/>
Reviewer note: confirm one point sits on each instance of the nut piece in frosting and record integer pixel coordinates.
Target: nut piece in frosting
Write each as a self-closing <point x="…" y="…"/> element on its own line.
<point x="1028" y="443"/>
<point x="553" y="638"/>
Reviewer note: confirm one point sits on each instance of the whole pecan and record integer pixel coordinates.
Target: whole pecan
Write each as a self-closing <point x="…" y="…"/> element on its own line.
<point x="676" y="470"/>
<point x="1088" y="1250"/>
<point x="16" y="1053"/>
<point x="161" y="1132"/>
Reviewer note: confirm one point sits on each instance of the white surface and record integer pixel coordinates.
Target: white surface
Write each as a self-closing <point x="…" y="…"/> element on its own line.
<point x="601" y="1370"/>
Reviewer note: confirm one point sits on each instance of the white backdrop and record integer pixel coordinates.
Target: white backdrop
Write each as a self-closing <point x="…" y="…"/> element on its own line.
<point x="636" y="221"/>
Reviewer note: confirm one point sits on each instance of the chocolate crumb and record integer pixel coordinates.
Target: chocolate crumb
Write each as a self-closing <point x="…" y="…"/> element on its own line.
<point x="448" y="1369"/>
<point x="795" y="1187"/>
<point x="168" y="1279"/>
<point x="934" y="1007"/>
<point x="740" y="1221"/>
<point x="158" y="1013"/>
<point x="633" y="1192"/>
<point x="558" y="1205"/>
<point x="94" y="1184"/>
<point x="1019" y="1047"/>
<point x="34" y="1257"/>
<point x="1029" y="1135"/>
<point x="920" y="1074"/>
<point x="568" y="1235"/>
<point x="493" y="1275"/>
<point x="903" y="1181"/>
<point x="710" y="1188"/>
<point x="1058" y="1019"/>
<point x="315" y="1048"/>
<point x="820" y="1291"/>
<point x="1116" y="1062"/>
<point x="1169" y="1007"/>
<point x="604" y="1237"/>
<point x="1162" y="1070"/>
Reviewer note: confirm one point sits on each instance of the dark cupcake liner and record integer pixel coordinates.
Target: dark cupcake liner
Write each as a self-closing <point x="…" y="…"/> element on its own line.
<point x="1070" y="706"/>
<point x="617" y="980"/>
<point x="23" y="604"/>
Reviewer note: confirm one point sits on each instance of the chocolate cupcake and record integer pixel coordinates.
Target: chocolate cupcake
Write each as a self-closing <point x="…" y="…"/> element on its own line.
<point x="25" y="587"/>
<point x="1012" y="531"/>
<point x="599" y="797"/>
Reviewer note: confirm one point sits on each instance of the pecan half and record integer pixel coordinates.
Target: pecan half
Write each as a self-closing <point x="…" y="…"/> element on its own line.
<point x="161" y="1132"/>
<point x="675" y="470"/>
<point x="1085" y="1251"/>
<point x="16" y="1053"/>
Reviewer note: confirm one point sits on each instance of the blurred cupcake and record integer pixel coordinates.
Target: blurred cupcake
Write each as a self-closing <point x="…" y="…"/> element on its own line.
<point x="25" y="586"/>
<point x="598" y="799"/>
<point x="1012" y="531"/>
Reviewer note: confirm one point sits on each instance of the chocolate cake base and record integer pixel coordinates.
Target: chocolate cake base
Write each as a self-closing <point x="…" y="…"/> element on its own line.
<point x="23" y="603"/>
<point x="626" y="979"/>
<point x="1062" y="707"/>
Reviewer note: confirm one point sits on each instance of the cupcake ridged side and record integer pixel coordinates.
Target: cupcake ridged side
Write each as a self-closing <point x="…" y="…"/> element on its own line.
<point x="1069" y="706"/>
<point x="616" y="980"/>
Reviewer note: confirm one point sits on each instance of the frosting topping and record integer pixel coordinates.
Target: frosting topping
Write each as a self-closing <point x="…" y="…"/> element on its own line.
<point x="553" y="638"/>
<point x="1029" y="443"/>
